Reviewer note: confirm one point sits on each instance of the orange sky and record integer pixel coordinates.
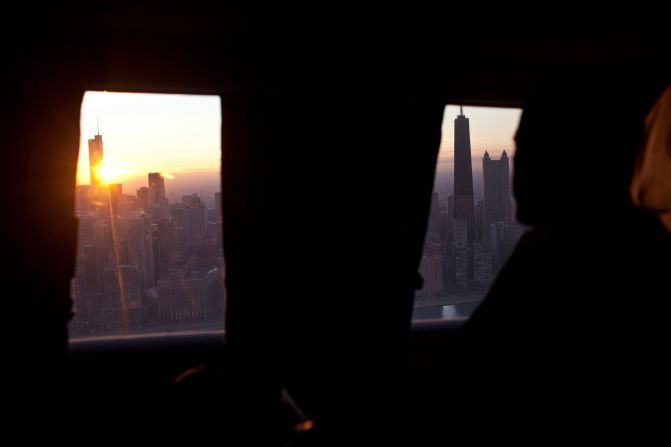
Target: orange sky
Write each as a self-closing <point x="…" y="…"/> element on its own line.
<point x="173" y="134"/>
<point x="179" y="135"/>
<point x="492" y="129"/>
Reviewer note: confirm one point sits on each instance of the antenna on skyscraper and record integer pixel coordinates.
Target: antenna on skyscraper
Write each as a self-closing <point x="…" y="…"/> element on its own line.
<point x="98" y="125"/>
<point x="461" y="110"/>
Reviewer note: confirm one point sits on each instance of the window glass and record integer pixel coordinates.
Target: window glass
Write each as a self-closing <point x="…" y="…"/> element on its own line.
<point x="472" y="228"/>
<point x="149" y="249"/>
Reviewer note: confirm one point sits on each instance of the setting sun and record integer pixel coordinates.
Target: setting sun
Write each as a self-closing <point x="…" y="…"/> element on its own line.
<point x="147" y="200"/>
<point x="110" y="174"/>
<point x="176" y="135"/>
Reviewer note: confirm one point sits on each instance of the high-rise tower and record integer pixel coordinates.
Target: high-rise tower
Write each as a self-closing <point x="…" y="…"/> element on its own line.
<point x="460" y="254"/>
<point x="158" y="203"/>
<point x="96" y="162"/>
<point x="463" y="176"/>
<point x="156" y="187"/>
<point x="496" y="182"/>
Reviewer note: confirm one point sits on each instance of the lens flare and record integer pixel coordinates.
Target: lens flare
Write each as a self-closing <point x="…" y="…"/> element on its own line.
<point x="110" y="173"/>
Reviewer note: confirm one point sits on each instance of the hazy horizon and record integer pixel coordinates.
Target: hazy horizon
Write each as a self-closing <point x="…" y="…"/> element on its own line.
<point x="177" y="135"/>
<point x="492" y="130"/>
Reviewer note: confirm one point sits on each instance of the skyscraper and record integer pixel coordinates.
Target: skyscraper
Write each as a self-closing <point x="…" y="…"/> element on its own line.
<point x="96" y="162"/>
<point x="431" y="267"/>
<point x="190" y="295"/>
<point x="450" y="217"/>
<point x="497" y="205"/>
<point x="460" y="249"/>
<point x="434" y="216"/>
<point x="156" y="187"/>
<point x="83" y="198"/>
<point x="115" y="194"/>
<point x="143" y="198"/>
<point x="463" y="176"/>
<point x="135" y="247"/>
<point x="165" y="247"/>
<point x="159" y="206"/>
<point x="479" y="220"/>
<point x="195" y="217"/>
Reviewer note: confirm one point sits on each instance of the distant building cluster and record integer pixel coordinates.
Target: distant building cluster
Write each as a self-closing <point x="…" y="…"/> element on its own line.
<point x="140" y="259"/>
<point x="467" y="242"/>
<point x="144" y="261"/>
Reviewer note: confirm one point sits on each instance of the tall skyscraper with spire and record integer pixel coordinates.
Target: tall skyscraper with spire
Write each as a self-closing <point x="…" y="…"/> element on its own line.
<point x="463" y="176"/>
<point x="460" y="250"/>
<point x="96" y="162"/>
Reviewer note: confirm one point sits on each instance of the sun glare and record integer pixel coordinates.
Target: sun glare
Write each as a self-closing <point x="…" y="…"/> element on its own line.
<point x="110" y="173"/>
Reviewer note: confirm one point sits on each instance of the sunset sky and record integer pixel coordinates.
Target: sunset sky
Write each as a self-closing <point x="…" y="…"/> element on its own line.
<point x="492" y="129"/>
<point x="178" y="135"/>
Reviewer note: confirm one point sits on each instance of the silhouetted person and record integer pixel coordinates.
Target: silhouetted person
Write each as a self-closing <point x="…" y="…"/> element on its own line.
<point x="570" y="331"/>
<point x="651" y="185"/>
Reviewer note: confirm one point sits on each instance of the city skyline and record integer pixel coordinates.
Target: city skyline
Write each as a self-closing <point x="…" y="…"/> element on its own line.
<point x="472" y="228"/>
<point x="177" y="135"/>
<point x="493" y="129"/>
<point x="150" y="255"/>
<point x="143" y="261"/>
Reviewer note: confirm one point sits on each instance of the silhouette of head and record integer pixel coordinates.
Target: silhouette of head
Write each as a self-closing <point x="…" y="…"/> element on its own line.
<point x="651" y="185"/>
<point x="577" y="144"/>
